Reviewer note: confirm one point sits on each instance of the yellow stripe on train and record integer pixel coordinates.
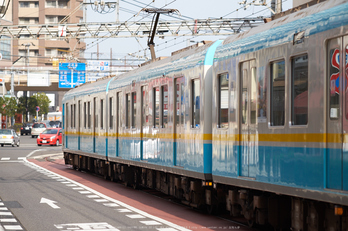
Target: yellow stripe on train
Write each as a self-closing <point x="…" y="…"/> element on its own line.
<point x="305" y="137"/>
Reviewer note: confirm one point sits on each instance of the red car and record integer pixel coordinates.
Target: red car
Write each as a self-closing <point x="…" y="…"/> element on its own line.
<point x="51" y="136"/>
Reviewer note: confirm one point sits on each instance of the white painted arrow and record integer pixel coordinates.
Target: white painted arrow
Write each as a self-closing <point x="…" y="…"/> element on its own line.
<point x="49" y="202"/>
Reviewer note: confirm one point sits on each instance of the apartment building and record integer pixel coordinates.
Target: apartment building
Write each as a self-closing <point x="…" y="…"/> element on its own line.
<point x="45" y="52"/>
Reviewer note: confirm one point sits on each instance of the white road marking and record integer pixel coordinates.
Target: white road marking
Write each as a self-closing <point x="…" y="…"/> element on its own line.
<point x="21" y="158"/>
<point x="84" y="192"/>
<point x="1" y="203"/>
<point x="166" y="229"/>
<point x="93" y="196"/>
<point x="66" y="182"/>
<point x="71" y="185"/>
<point x="13" y="227"/>
<point x="124" y="210"/>
<point x="5" y="158"/>
<point x="102" y="226"/>
<point x="150" y="222"/>
<point x="135" y="216"/>
<point x="8" y="220"/>
<point x="5" y="214"/>
<point x="3" y="208"/>
<point x="101" y="200"/>
<point x="79" y="188"/>
<point x="49" y="202"/>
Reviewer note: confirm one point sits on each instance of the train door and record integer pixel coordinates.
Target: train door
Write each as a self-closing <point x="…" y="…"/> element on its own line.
<point x="247" y="121"/>
<point x="179" y="144"/>
<point x="337" y="123"/>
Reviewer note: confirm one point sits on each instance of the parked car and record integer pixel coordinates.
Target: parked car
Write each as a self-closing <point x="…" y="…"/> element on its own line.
<point x="26" y="128"/>
<point x="9" y="137"/>
<point x="38" y="128"/>
<point x="55" y="124"/>
<point x="51" y="136"/>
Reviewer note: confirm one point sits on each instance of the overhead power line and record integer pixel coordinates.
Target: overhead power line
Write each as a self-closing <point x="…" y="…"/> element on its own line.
<point x="206" y="27"/>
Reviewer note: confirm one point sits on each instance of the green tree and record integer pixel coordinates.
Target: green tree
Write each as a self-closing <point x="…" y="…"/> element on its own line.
<point x="10" y="106"/>
<point x="2" y="107"/>
<point x="32" y="103"/>
<point x="43" y="102"/>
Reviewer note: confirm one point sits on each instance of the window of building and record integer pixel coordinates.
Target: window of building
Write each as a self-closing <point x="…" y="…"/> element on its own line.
<point x="51" y="3"/>
<point x="299" y="90"/>
<point x="24" y="20"/>
<point x="24" y="4"/>
<point x="195" y="102"/>
<point x="223" y="100"/>
<point x="5" y="47"/>
<point x="277" y="93"/>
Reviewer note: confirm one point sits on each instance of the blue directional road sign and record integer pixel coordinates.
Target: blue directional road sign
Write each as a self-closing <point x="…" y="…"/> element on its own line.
<point x="71" y="74"/>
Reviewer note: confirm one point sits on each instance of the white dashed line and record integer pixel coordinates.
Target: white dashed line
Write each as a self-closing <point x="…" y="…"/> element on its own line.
<point x="101" y="200"/>
<point x="150" y="222"/>
<point x="93" y="196"/>
<point x="5" y="214"/>
<point x="3" y="208"/>
<point x="5" y="158"/>
<point x="135" y="216"/>
<point x="79" y="188"/>
<point x="84" y="192"/>
<point x="71" y="185"/>
<point x="166" y="229"/>
<point x="124" y="210"/>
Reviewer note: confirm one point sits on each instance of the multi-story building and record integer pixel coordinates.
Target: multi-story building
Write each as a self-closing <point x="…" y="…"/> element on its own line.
<point x="44" y="52"/>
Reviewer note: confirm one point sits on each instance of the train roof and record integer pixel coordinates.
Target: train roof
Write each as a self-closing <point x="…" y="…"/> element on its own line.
<point x="181" y="61"/>
<point x="315" y="19"/>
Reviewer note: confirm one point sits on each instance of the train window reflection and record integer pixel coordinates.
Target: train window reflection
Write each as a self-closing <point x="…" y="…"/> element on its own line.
<point x="196" y="95"/>
<point x="253" y="96"/>
<point x="156" y="101"/>
<point x="223" y="101"/>
<point x="299" y="90"/>
<point x="134" y="109"/>
<point x="89" y="114"/>
<point x="164" y="106"/>
<point x="277" y="93"/>
<point x="101" y="114"/>
<point x="85" y="115"/>
<point x="111" y="114"/>
<point x="128" y="112"/>
<point x="334" y="72"/>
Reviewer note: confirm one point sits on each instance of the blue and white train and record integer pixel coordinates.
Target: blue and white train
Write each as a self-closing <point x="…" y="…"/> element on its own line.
<point x="255" y="125"/>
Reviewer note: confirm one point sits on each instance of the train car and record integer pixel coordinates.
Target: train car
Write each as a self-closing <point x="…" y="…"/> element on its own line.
<point x="254" y="125"/>
<point x="280" y="120"/>
<point x="149" y="127"/>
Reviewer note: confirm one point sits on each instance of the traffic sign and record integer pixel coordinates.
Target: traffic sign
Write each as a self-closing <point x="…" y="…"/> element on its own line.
<point x="71" y="74"/>
<point x="37" y="108"/>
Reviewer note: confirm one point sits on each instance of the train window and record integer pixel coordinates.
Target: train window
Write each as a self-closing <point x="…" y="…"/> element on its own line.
<point x="134" y="109"/>
<point x="74" y="122"/>
<point x="111" y="114"/>
<point x="89" y="114"/>
<point x="253" y="96"/>
<point x="67" y="115"/>
<point x="277" y="93"/>
<point x="164" y="106"/>
<point x="95" y="116"/>
<point x="223" y="100"/>
<point x="85" y="115"/>
<point x="128" y="111"/>
<point x="196" y="95"/>
<point x="145" y="116"/>
<point x="71" y="116"/>
<point x="334" y="72"/>
<point x="118" y="110"/>
<point x="156" y="101"/>
<point x="101" y="114"/>
<point x="299" y="90"/>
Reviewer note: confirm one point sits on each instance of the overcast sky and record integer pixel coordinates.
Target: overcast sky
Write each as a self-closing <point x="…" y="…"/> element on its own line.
<point x="189" y="9"/>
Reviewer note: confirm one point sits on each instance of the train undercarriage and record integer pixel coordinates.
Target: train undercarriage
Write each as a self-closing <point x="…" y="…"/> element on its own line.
<point x="257" y="207"/>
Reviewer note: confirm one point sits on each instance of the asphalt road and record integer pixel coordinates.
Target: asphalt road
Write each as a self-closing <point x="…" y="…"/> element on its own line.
<point x="41" y="195"/>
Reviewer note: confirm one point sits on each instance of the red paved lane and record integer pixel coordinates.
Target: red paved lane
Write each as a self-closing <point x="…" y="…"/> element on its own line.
<point x="174" y="213"/>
